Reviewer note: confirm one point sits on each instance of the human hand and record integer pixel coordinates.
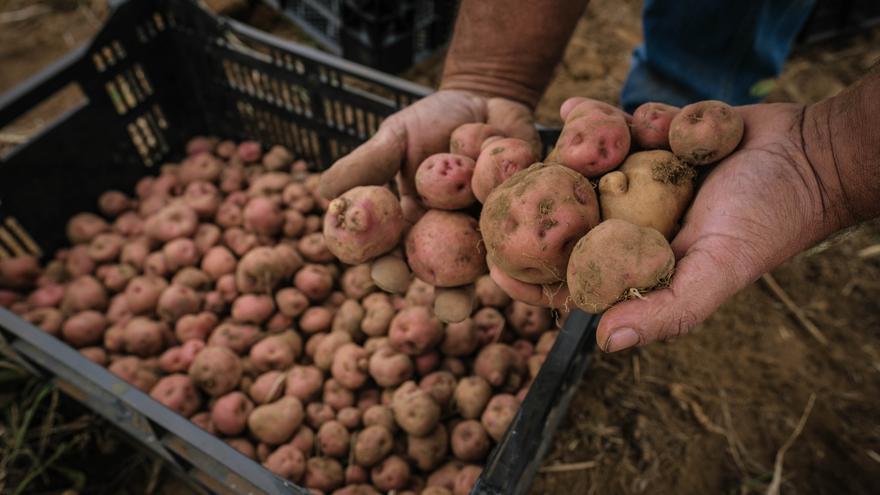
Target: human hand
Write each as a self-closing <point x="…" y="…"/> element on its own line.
<point x="409" y="136"/>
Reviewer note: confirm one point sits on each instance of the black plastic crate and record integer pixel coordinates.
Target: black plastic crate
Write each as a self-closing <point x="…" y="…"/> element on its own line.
<point x="158" y="73"/>
<point x="388" y="35"/>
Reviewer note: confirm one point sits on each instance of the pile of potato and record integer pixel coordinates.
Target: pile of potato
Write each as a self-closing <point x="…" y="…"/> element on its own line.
<point x="212" y="288"/>
<point x="590" y="225"/>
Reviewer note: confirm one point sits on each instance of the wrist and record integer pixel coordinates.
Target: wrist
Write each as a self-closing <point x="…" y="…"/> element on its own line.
<point x="492" y="80"/>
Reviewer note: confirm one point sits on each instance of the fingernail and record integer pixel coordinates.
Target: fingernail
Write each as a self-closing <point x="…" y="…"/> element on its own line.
<point x="621" y="339"/>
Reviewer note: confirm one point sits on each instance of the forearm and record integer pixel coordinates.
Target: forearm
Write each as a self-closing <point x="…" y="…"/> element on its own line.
<point x="509" y="48"/>
<point x="841" y="138"/>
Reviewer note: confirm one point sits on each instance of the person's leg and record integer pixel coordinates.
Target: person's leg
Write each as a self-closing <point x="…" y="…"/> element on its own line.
<point x="702" y="49"/>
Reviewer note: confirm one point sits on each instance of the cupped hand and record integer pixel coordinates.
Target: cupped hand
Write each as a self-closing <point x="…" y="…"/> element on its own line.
<point x="409" y="136"/>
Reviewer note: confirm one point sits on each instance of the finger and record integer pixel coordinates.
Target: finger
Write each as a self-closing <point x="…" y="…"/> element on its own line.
<point x="702" y="281"/>
<point x="537" y="295"/>
<point x="513" y="119"/>
<point x="373" y="163"/>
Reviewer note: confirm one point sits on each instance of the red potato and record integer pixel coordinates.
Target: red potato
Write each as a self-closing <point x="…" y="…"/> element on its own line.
<point x="278" y="323"/>
<point x="262" y="216"/>
<point x="443" y="181"/>
<point x="229" y="215"/>
<point x="420" y="293"/>
<point x="444" y="476"/>
<point x="337" y="396"/>
<point x="78" y="262"/>
<point x="129" y="224"/>
<point x="276" y="352"/>
<point x="391" y="474"/>
<point x="304" y="439"/>
<point x="84" y="293"/>
<point x="291" y="302"/>
<point x="134" y="371"/>
<point x="494" y="363"/>
<point x="268" y="387"/>
<point x="489" y="294"/>
<point x="467" y="139"/>
<point x="415" y="410"/>
<point x="454" y="365"/>
<point x="350" y="417"/>
<point x="242" y="445"/>
<point x="114" y="338"/>
<point x="377" y="318"/>
<point x="531" y="222"/>
<point x="236" y="337"/>
<point x="499" y="414"/>
<point x="354" y="475"/>
<point x="356" y="282"/>
<point x="96" y="355"/>
<point x="84" y="328"/>
<point x="469" y="441"/>
<point x="106" y="247"/>
<point x="372" y="445"/>
<point x="650" y="125"/>
<point x="203" y="197"/>
<point x="114" y="203"/>
<point x="534" y="363"/>
<point x="348" y="318"/>
<point x="313" y="224"/>
<point x="705" y="132"/>
<point x="275" y="423"/>
<point x="350" y="364"/>
<point x="427" y="362"/>
<point x="195" y="327"/>
<point x="269" y="184"/>
<point x="390" y="368"/>
<point x="414" y="331"/>
<point x="298" y="198"/>
<point x="466" y="479"/>
<point x="148" y="207"/>
<point x="294" y="224"/>
<point x="381" y="415"/>
<point x="498" y="161"/>
<point x="363" y="223"/>
<point x="278" y="157"/>
<point x="47" y="319"/>
<point x="252" y="308"/>
<point x="440" y="385"/>
<point x="180" y="253"/>
<point x="445" y="249"/>
<point x="144" y="337"/>
<point x="323" y="473"/>
<point x="218" y="261"/>
<point x="249" y="151"/>
<point x="179" y="358"/>
<point x="453" y="305"/>
<point x="135" y="252"/>
<point x="333" y="439"/>
<point x="84" y="227"/>
<point x="315" y="281"/>
<point x="263" y="268"/>
<point x="200" y="167"/>
<point x="239" y="241"/>
<point x="177" y="393"/>
<point x="287" y="462"/>
<point x="546" y="341"/>
<point x="316" y="319"/>
<point x="48" y="296"/>
<point x="391" y="274"/>
<point x="471" y="396"/>
<point x="116" y="277"/>
<point x="232" y="178"/>
<point x="177" y="301"/>
<point x="193" y="278"/>
<point x="327" y="348"/>
<point x="460" y="339"/>
<point x="615" y="261"/>
<point x="154" y="265"/>
<point x="225" y="286"/>
<point x="304" y="382"/>
<point x="436" y="490"/>
<point x="318" y="413"/>
<point x="172" y="222"/>
<point x="594" y="139"/>
<point x="207" y="236"/>
<point x="201" y="144"/>
<point x="230" y="412"/>
<point x="528" y="321"/>
<point x="142" y="293"/>
<point x="225" y="149"/>
<point x="428" y="450"/>
<point x="216" y="370"/>
<point x="490" y="325"/>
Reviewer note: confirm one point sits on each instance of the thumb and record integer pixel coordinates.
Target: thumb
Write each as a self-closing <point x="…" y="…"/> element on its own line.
<point x="373" y="163"/>
<point x="700" y="284"/>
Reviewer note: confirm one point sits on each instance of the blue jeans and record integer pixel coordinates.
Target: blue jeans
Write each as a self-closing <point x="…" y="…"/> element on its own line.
<point x="711" y="49"/>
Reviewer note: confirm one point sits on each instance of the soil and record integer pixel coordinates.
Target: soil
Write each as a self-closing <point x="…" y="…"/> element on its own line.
<point x="711" y="412"/>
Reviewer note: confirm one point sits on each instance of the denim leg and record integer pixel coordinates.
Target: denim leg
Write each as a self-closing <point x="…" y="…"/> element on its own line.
<point x="711" y="49"/>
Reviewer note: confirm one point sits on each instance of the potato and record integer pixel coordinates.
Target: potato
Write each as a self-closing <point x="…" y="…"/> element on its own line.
<point x="350" y="364"/>
<point x="467" y="139"/>
<point x="298" y="197"/>
<point x="355" y="474"/>
<point x="415" y="410"/>
<point x="200" y="167"/>
<point x="129" y="224"/>
<point x="134" y="252"/>
<point x="216" y="370"/>
<point x="315" y="281"/>
<point x="304" y="439"/>
<point x="453" y="365"/>
<point x="142" y="293"/>
<point x="113" y="203"/>
<point x="114" y="277"/>
<point x="489" y="324"/>
<point x="84" y="293"/>
<point x="270" y="184"/>
<point x="239" y="241"/>
<point x="177" y="393"/>
<point x="372" y="445"/>
<point x="84" y="227"/>
<point x="455" y="304"/>
<point x="460" y="339"/>
<point x="179" y="358"/>
<point x="276" y="352"/>
<point x="391" y="274"/>
<point x="134" y="371"/>
<point x="363" y="223"/>
<point x="193" y="278"/>
<point x="348" y="318"/>
<point x="177" y="301"/>
<point x="287" y="462"/>
<point x="414" y="331"/>
<point x="498" y="161"/>
<point x="705" y="132"/>
<point x="229" y="215"/>
<point x="236" y="337"/>
<point x="440" y="385"/>
<point x="252" y="308"/>
<point x="317" y="414"/>
<point x="350" y="417"/>
<point x="528" y="321"/>
<point x="336" y="395"/>
<point x="47" y="319"/>
<point x="314" y="248"/>
<point x="327" y="349"/>
<point x="651" y="189"/>
<point x="304" y="382"/>
<point x="426" y="362"/>
<point x="531" y="222"/>
<point x="377" y="318"/>
<point x="420" y="293"/>
<point x="436" y="490"/>
<point x="390" y="368"/>
<point x="498" y="415"/>
<point x="356" y="282"/>
<point x="275" y="423"/>
<point x="466" y="479"/>
<point x="218" y="261"/>
<point x="594" y="139"/>
<point x="469" y="441"/>
<point x="96" y="355"/>
<point x="323" y="473"/>
<point x="494" y="363"/>
<point x="489" y="294"/>
<point x="203" y="421"/>
<point x="356" y="489"/>
<point x="195" y="327"/>
<point x="84" y="328"/>
<point x="291" y="302"/>
<point x="617" y="260"/>
<point x="333" y="439"/>
<point x="106" y="247"/>
<point x="391" y="474"/>
<point x="429" y="449"/>
<point x="378" y="414"/>
<point x="144" y="337"/>
<point x="443" y="181"/>
<point x="263" y="268"/>
<point x="230" y="412"/>
<point x="249" y="151"/>
<point x="444" y="249"/>
<point x="155" y="265"/>
<point x="471" y="396"/>
<point x="262" y="216"/>
<point x="650" y="125"/>
<point x="546" y="341"/>
<point x="294" y="224"/>
<point x="173" y="221"/>
<point x="267" y="387"/>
